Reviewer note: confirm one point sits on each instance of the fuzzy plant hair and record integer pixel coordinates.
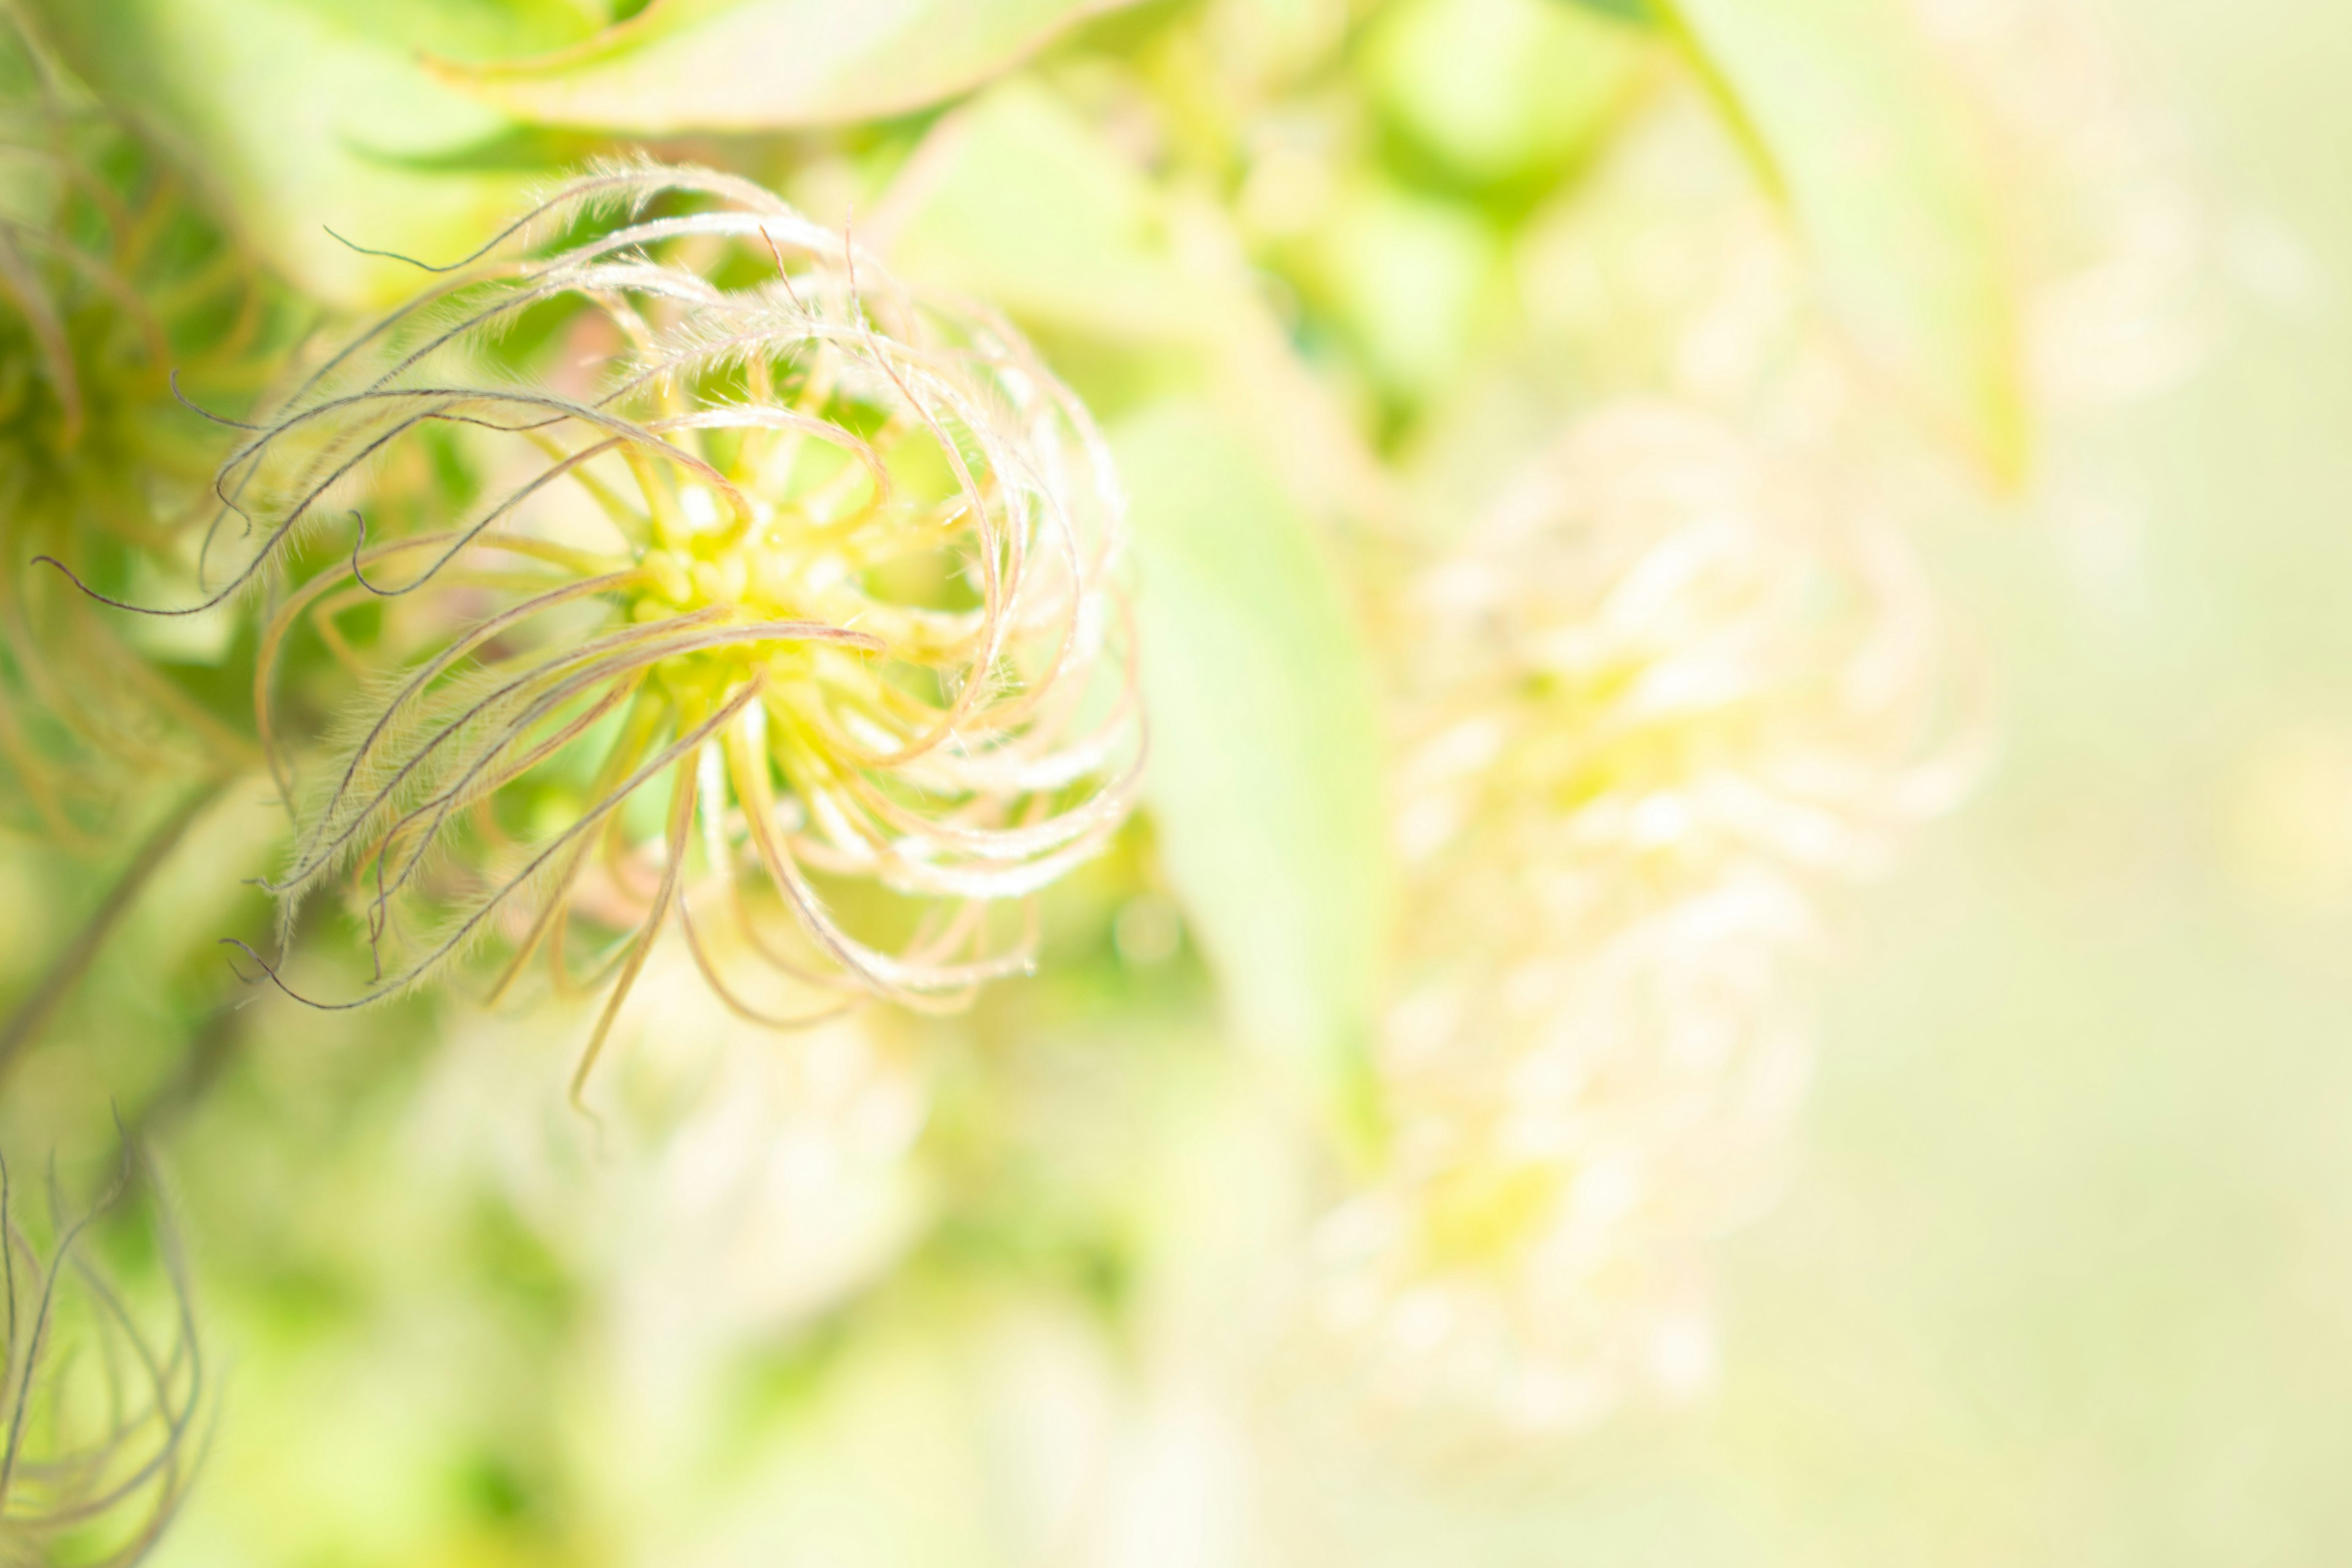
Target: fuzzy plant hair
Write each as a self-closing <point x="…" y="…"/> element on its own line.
<point x="103" y="1405"/>
<point x="789" y="619"/>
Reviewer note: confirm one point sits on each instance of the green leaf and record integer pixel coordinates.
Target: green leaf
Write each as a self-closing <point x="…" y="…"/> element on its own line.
<point x="461" y="29"/>
<point x="1016" y="201"/>
<point x="300" y="116"/>
<point x="1016" y="198"/>
<point x="1502" y="89"/>
<point x="1409" y="274"/>
<point x="1266" y="780"/>
<point x="1844" y="106"/>
<point x="1639" y="12"/>
<point x="745" y="65"/>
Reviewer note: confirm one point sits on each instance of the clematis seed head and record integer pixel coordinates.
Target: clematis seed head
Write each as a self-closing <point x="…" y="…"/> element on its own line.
<point x="791" y="608"/>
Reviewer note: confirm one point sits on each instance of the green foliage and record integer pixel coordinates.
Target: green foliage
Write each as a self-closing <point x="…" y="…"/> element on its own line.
<point x="1267" y="776"/>
<point x="1017" y="200"/>
<point x="1407" y="277"/>
<point x="301" y="117"/>
<point x="1502" y="89"/>
<point x="1642" y="11"/>
<point x="740" y="65"/>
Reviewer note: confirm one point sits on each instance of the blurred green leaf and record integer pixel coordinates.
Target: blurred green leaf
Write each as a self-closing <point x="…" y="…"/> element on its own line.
<point x="1500" y="89"/>
<point x="462" y="29"/>
<point x="1016" y="201"/>
<point x="1842" y="105"/>
<point x="1408" y="274"/>
<point x="305" y="115"/>
<point x="1642" y="11"/>
<point x="1266" y="783"/>
<point x="741" y="65"/>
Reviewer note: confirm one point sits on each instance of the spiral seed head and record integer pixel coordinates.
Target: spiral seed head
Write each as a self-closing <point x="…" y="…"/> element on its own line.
<point x="803" y="614"/>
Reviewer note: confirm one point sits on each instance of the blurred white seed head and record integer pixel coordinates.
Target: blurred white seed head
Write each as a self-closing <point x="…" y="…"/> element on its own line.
<point x="1664" y="654"/>
<point x="1672" y="695"/>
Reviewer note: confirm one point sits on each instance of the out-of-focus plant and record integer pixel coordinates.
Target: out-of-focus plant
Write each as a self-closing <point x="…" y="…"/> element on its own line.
<point x="1664" y="696"/>
<point x="110" y="283"/>
<point x="101" y="1404"/>
<point x="737" y="65"/>
<point x="118" y="291"/>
